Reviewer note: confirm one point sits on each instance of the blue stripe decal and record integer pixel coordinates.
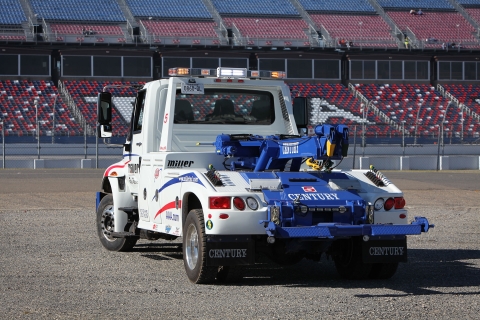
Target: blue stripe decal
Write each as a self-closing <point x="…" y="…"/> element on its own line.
<point x="188" y="177"/>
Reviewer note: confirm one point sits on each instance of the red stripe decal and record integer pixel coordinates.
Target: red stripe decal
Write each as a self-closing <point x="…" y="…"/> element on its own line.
<point x="170" y="205"/>
<point x="114" y="167"/>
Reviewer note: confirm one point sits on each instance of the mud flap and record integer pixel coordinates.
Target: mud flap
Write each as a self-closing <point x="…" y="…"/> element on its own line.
<point x="230" y="250"/>
<point x="384" y="251"/>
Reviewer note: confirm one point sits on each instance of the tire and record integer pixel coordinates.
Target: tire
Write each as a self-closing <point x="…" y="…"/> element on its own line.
<point x="348" y="261"/>
<point x="383" y="270"/>
<point x="105" y="222"/>
<point x="194" y="250"/>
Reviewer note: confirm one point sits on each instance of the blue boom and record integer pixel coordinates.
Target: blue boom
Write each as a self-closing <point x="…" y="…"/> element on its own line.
<point x="273" y="152"/>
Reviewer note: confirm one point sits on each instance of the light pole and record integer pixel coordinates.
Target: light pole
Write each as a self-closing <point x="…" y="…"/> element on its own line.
<point x="360" y="25"/>
<point x="416" y="123"/>
<point x="256" y="31"/>
<point x="364" y="110"/>
<point x="35" y="103"/>
<point x="461" y="120"/>
<point x="442" y="131"/>
<point x="458" y="35"/>
<point x="53" y="118"/>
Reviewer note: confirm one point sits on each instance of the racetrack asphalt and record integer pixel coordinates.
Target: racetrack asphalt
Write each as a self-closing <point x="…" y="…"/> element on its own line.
<point x="53" y="266"/>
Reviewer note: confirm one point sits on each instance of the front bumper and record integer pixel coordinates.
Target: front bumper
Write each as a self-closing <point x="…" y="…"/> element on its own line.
<point x="333" y="230"/>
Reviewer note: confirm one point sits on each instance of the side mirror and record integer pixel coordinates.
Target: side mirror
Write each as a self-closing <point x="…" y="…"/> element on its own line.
<point x="300" y="112"/>
<point x="104" y="108"/>
<point x="104" y="115"/>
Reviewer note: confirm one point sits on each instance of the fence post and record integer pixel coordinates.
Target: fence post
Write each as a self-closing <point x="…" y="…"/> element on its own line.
<point x="363" y="139"/>
<point x="85" y="138"/>
<point x="354" y="145"/>
<point x="96" y="151"/>
<point x="37" y="129"/>
<point x="438" y="150"/>
<point x="3" y="145"/>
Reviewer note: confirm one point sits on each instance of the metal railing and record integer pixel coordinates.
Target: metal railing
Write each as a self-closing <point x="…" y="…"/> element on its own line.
<point x="375" y="140"/>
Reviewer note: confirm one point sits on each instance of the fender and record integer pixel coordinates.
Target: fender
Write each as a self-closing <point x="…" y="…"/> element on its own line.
<point x="114" y="182"/>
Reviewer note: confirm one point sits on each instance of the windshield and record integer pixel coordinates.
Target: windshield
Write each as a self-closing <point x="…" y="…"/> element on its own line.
<point x="225" y="106"/>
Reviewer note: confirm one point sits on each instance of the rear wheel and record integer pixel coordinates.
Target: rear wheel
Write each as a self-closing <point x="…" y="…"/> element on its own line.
<point x="106" y="224"/>
<point x="348" y="259"/>
<point x="195" y="249"/>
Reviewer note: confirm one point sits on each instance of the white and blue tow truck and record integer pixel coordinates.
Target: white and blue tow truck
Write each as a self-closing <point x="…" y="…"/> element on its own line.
<point x="215" y="157"/>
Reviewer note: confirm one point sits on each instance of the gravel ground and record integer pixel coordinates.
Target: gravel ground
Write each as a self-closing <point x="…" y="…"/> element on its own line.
<point x="53" y="266"/>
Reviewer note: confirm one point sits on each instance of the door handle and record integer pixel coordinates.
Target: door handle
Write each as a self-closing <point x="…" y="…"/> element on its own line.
<point x="139" y="144"/>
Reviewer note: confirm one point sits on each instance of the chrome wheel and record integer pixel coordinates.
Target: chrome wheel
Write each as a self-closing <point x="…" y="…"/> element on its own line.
<point x="107" y="222"/>
<point x="192" y="247"/>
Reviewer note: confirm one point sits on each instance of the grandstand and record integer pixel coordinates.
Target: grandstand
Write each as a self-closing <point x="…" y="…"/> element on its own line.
<point x="348" y="57"/>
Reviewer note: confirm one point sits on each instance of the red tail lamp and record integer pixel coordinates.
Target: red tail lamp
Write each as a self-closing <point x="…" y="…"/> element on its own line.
<point x="389" y="203"/>
<point x="219" y="202"/>
<point x="239" y="203"/>
<point x="399" y="202"/>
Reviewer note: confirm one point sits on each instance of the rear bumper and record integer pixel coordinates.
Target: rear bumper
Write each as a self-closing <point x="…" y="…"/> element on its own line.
<point x="332" y="230"/>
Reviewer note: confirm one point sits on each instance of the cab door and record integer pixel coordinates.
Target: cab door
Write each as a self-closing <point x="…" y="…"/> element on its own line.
<point x="134" y="147"/>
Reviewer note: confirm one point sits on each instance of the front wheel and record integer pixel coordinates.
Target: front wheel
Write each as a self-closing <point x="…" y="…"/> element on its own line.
<point x="195" y="249"/>
<point x="106" y="223"/>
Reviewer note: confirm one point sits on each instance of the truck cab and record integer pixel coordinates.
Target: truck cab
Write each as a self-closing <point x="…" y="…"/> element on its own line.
<point x="215" y="157"/>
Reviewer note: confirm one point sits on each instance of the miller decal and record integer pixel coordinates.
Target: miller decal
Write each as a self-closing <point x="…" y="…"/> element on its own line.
<point x="209" y="224"/>
<point x="179" y="163"/>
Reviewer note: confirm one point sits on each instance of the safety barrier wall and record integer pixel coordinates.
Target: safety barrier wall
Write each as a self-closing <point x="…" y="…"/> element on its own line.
<point x="383" y="157"/>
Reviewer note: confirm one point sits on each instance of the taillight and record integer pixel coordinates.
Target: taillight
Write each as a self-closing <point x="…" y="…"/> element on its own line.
<point x="399" y="203"/>
<point x="223" y="216"/>
<point x="239" y="203"/>
<point x="389" y="203"/>
<point x="219" y="202"/>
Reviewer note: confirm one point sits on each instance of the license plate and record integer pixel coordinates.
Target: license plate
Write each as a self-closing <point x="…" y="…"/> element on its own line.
<point x="384" y="251"/>
<point x="192" y="88"/>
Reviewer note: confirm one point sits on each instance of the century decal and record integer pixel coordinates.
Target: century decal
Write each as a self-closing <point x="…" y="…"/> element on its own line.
<point x="386" y="251"/>
<point x="179" y="163"/>
<point x="290" y="148"/>
<point x="227" y="253"/>
<point x="313" y="196"/>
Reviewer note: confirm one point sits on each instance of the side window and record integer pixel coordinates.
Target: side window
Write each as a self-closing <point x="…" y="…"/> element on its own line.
<point x="138" y="116"/>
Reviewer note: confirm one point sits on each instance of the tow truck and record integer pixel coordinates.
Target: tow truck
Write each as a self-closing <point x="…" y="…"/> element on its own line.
<point x="220" y="158"/>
